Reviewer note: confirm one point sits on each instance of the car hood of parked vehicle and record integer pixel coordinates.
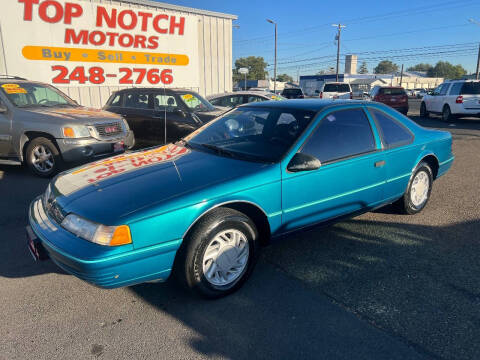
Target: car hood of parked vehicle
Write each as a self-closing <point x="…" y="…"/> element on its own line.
<point x="117" y="188"/>
<point x="74" y="114"/>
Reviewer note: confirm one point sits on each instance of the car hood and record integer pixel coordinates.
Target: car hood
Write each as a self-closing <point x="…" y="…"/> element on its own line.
<point x="209" y="115"/>
<point x="108" y="191"/>
<point x="78" y="114"/>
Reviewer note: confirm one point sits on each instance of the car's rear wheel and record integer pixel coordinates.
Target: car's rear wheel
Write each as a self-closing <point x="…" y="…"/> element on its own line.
<point x="418" y="190"/>
<point x="447" y="114"/>
<point x="423" y="110"/>
<point x="42" y="157"/>
<point x="219" y="253"/>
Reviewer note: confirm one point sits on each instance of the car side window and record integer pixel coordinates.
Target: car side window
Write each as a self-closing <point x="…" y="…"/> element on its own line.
<point x="341" y="134"/>
<point x="456" y="89"/>
<point x="392" y="131"/>
<point x="444" y="89"/>
<point x="165" y="102"/>
<point x="117" y="100"/>
<point x="254" y="98"/>
<point x="137" y="101"/>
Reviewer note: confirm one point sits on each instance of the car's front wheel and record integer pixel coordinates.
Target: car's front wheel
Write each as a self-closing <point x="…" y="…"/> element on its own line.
<point x="42" y="157"/>
<point x="418" y="190"/>
<point x="219" y="253"/>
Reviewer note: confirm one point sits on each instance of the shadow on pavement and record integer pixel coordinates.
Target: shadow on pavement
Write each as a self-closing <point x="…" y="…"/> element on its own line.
<point x="436" y="122"/>
<point x="395" y="276"/>
<point x="18" y="187"/>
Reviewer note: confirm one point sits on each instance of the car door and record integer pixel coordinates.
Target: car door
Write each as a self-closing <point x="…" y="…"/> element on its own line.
<point x="350" y="178"/>
<point x="138" y="111"/>
<point x="179" y="121"/>
<point x="399" y="154"/>
<point x="438" y="98"/>
<point x="5" y="130"/>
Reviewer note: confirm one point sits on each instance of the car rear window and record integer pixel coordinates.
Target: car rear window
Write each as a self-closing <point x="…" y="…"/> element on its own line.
<point x="292" y="91"/>
<point x="336" y="88"/>
<point x="392" y="91"/>
<point x="471" y="88"/>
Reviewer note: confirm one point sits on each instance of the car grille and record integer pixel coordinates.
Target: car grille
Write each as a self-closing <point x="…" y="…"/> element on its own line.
<point x="51" y="207"/>
<point x="109" y="129"/>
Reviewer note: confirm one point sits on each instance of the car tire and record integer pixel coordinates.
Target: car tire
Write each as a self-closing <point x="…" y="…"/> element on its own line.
<point x="221" y="240"/>
<point x="42" y="157"/>
<point x="423" y="110"/>
<point x="418" y="190"/>
<point x="447" y="114"/>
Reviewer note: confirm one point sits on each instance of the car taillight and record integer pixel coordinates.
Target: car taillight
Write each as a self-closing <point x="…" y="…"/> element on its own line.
<point x="321" y="95"/>
<point x="459" y="99"/>
<point x="351" y="95"/>
<point x="301" y="96"/>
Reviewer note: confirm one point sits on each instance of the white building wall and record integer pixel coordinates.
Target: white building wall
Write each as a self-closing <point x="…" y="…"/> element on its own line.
<point x="214" y="53"/>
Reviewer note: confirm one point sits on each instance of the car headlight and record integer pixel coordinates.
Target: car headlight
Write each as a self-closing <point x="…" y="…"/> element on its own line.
<point x="97" y="233"/>
<point x="76" y="131"/>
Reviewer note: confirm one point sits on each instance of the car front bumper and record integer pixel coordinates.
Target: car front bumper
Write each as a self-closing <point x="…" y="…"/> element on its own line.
<point x="103" y="266"/>
<point x="74" y="150"/>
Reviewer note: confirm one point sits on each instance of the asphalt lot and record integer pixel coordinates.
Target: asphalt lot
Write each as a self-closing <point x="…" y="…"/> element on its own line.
<point x="381" y="286"/>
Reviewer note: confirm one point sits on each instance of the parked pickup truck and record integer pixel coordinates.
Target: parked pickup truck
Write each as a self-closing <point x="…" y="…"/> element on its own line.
<point x="43" y="128"/>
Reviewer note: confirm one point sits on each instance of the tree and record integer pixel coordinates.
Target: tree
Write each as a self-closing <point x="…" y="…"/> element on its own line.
<point x="446" y="70"/>
<point x="284" y="78"/>
<point x="386" y="67"/>
<point x="256" y="66"/>
<point x="420" y="67"/>
<point x="363" y="68"/>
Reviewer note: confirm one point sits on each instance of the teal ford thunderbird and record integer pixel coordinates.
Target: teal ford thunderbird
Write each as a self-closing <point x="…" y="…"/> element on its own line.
<point x="203" y="207"/>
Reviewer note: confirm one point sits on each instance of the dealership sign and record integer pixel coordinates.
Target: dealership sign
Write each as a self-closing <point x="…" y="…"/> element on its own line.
<point x="84" y="43"/>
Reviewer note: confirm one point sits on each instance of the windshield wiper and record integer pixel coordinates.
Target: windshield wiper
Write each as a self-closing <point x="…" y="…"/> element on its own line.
<point x="219" y="150"/>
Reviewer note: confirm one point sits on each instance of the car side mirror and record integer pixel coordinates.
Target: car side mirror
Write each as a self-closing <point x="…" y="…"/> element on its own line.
<point x="303" y="162"/>
<point x="3" y="109"/>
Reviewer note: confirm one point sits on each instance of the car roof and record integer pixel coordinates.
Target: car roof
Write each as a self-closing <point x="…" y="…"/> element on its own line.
<point x="166" y="90"/>
<point x="304" y="104"/>
<point x="265" y="93"/>
<point x="8" y="80"/>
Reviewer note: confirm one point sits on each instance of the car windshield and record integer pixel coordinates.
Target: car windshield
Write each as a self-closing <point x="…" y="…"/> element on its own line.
<point x="336" y="88"/>
<point x="255" y="134"/>
<point x="196" y="102"/>
<point x="24" y="95"/>
<point x="471" y="88"/>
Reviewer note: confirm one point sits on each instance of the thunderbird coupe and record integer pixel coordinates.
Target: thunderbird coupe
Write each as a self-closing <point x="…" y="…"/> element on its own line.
<point x="202" y="208"/>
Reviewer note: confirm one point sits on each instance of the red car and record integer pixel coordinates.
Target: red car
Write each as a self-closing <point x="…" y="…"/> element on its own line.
<point x="393" y="96"/>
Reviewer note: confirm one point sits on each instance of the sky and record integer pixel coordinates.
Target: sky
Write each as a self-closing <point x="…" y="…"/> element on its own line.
<point x="407" y="31"/>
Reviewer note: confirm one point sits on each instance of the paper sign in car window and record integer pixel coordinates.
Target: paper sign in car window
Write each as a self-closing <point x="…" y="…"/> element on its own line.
<point x="13" y="89"/>
<point x="187" y="97"/>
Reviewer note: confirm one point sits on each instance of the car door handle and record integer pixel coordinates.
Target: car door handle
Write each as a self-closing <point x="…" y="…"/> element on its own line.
<point x="379" y="163"/>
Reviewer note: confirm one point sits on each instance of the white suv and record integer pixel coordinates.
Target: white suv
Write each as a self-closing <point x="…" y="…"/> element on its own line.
<point x="335" y="90"/>
<point x="453" y="99"/>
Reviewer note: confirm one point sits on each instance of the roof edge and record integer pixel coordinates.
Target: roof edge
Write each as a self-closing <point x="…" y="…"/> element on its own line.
<point x="162" y="5"/>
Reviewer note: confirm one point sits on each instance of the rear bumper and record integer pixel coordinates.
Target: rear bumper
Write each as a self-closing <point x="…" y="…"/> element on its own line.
<point x="73" y="150"/>
<point x="106" y="267"/>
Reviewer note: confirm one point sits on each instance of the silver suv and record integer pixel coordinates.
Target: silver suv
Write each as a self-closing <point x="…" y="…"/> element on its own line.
<point x="42" y="127"/>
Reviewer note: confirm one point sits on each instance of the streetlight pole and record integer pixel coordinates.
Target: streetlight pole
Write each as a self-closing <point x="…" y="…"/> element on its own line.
<point x="275" y="61"/>
<point x="473" y="21"/>
<point x="340" y="27"/>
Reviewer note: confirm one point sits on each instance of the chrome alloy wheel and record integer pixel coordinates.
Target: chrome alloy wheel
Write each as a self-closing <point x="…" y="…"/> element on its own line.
<point x="419" y="188"/>
<point x="226" y="257"/>
<point x="42" y="159"/>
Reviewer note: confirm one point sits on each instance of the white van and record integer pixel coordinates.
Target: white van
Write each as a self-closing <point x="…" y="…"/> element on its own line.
<point x="453" y="99"/>
<point x="335" y="90"/>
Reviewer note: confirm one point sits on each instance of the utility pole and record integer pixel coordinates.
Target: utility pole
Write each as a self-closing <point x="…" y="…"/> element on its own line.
<point x="339" y="27"/>
<point x="478" y="62"/>
<point x="275" y="61"/>
<point x="401" y="76"/>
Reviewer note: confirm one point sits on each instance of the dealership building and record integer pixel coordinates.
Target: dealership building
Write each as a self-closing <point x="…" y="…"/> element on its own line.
<point x="89" y="48"/>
